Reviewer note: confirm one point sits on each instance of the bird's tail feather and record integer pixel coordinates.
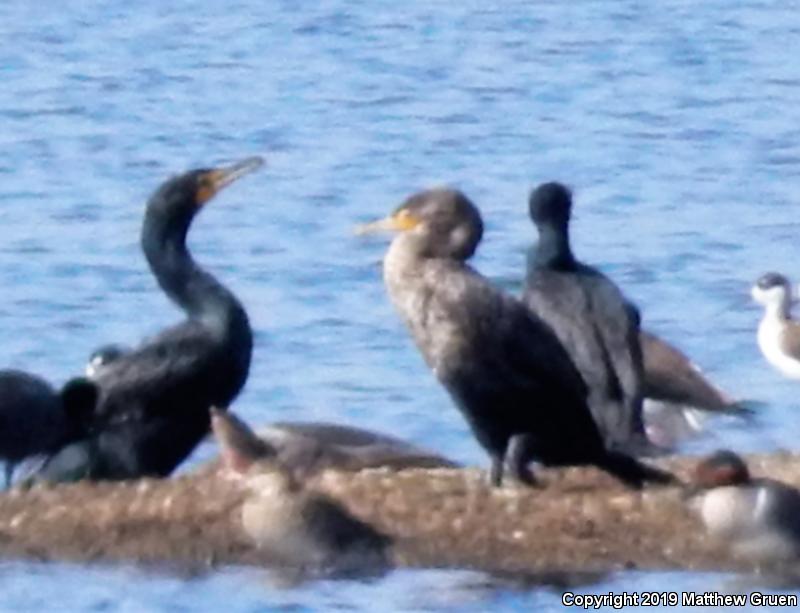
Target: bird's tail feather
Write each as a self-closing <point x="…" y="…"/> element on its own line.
<point x="632" y="472"/>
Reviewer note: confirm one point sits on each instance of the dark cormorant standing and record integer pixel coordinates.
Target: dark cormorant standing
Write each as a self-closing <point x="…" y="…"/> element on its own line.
<point x="154" y="401"/>
<point x="594" y="321"/>
<point x="504" y="368"/>
<point x="34" y="419"/>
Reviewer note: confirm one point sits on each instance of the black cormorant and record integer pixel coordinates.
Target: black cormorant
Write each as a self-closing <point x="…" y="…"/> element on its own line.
<point x="154" y="400"/>
<point x="35" y="419"/>
<point x="594" y="321"/>
<point x="504" y="368"/>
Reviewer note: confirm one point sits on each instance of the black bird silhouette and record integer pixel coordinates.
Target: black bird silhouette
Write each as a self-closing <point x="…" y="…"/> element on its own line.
<point x="596" y="323"/>
<point x="154" y="400"/>
<point x="35" y="419"/>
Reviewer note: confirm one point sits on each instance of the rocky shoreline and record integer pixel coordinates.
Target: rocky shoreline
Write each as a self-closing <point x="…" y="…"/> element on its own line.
<point x="580" y="520"/>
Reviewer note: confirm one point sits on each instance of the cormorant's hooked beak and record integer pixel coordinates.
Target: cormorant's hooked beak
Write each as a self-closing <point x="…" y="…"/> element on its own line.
<point x="219" y="178"/>
<point x="400" y="221"/>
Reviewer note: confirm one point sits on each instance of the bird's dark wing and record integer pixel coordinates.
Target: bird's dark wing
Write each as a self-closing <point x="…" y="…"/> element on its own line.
<point x="599" y="329"/>
<point x="671" y="376"/>
<point x="498" y="335"/>
<point x="532" y="350"/>
<point x="157" y="374"/>
<point x="521" y="352"/>
<point x="784" y="510"/>
<point x="546" y="388"/>
<point x="340" y="532"/>
<point x="617" y="321"/>
<point x="561" y="302"/>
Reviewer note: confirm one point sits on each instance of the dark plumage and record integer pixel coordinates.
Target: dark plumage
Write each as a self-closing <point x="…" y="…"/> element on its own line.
<point x="154" y="401"/>
<point x="678" y="398"/>
<point x="504" y="368"/>
<point x="35" y="419"/>
<point x="591" y="317"/>
<point x="670" y="376"/>
<point x="103" y="356"/>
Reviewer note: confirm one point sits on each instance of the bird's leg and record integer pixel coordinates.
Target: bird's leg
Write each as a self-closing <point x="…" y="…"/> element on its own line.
<point x="520" y="452"/>
<point x="496" y="470"/>
<point x="9" y="472"/>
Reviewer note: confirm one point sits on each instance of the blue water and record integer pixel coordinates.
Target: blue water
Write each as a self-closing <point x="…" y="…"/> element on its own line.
<point x="677" y="123"/>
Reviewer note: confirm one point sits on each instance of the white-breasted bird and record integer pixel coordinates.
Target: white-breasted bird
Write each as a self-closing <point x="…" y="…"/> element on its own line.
<point x="778" y="333"/>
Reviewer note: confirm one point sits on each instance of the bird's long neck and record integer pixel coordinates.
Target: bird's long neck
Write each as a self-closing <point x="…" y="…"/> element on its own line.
<point x="427" y="293"/>
<point x="778" y="310"/>
<point x="408" y="284"/>
<point x="402" y="268"/>
<point x="196" y="291"/>
<point x="553" y="250"/>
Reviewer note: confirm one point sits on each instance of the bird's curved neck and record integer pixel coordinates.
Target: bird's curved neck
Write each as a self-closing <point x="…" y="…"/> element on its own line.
<point x="778" y="310"/>
<point x="401" y="263"/>
<point x="553" y="250"/>
<point x="196" y="291"/>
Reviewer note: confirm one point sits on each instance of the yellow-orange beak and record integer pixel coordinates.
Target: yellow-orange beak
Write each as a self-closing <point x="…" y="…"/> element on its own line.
<point x="219" y="178"/>
<point x="401" y="221"/>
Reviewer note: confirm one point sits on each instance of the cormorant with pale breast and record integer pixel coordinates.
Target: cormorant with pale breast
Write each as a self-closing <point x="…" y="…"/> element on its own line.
<point x="503" y="367"/>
